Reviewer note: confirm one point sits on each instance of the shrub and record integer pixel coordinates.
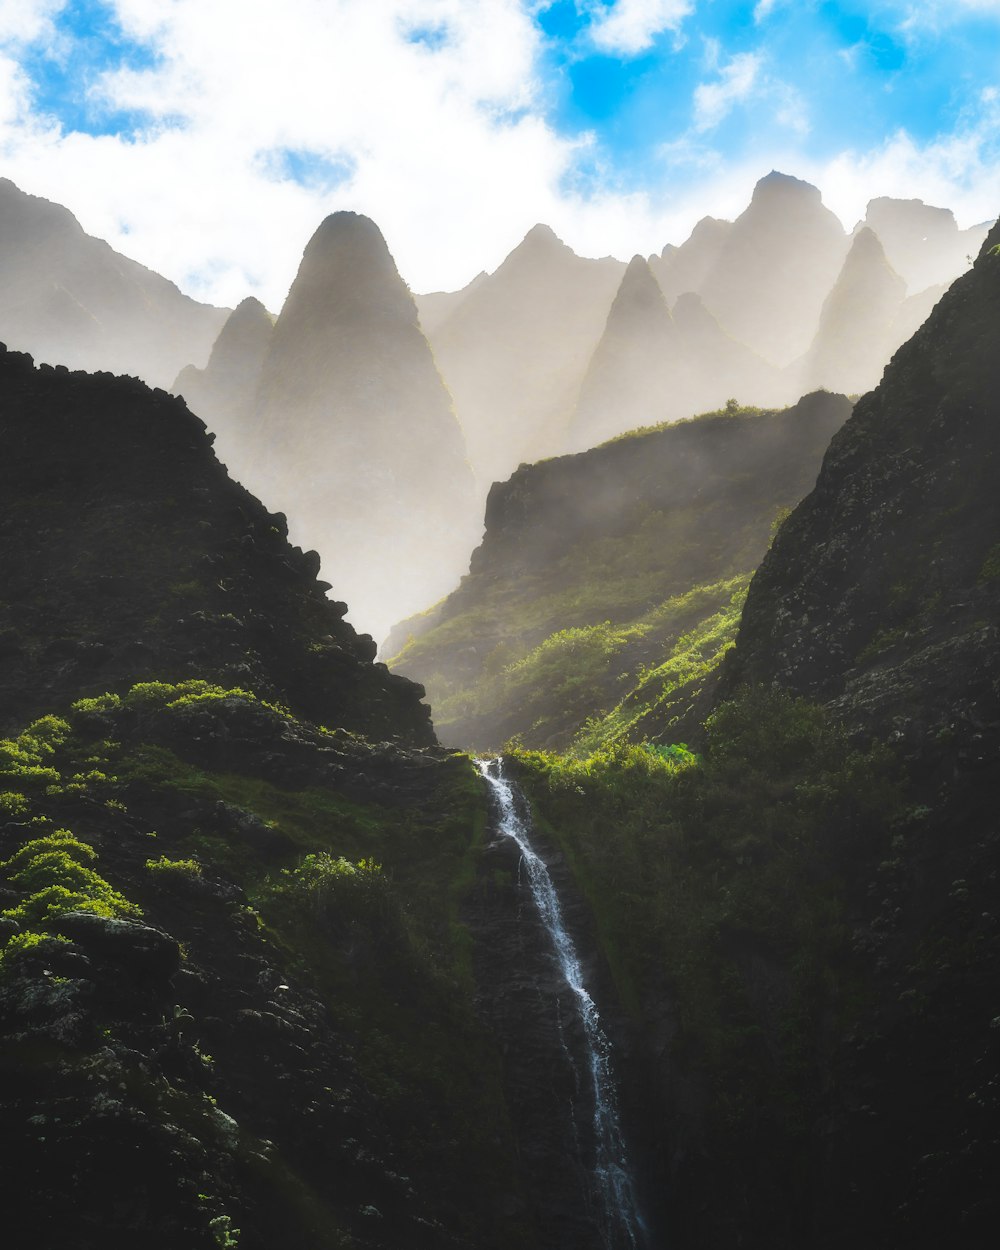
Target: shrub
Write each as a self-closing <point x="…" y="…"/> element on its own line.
<point x="178" y="869"/>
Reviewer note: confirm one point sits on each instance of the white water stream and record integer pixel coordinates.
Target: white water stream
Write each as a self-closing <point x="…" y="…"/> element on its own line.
<point x="616" y="1211"/>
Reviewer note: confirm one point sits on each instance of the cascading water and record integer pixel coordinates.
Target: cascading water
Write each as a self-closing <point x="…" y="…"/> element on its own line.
<point x="614" y="1200"/>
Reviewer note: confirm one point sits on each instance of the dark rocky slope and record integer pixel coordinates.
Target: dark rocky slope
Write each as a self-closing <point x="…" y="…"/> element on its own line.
<point x="236" y="1001"/>
<point x="811" y="909"/>
<point x="881" y="592"/>
<point x="586" y="561"/>
<point x="129" y="554"/>
<point x="69" y="299"/>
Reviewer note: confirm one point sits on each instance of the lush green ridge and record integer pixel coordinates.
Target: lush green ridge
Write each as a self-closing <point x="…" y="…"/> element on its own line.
<point x="311" y="1045"/>
<point x="599" y="569"/>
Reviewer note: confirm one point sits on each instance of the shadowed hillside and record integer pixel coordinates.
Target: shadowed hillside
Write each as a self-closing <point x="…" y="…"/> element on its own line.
<point x="128" y="554"/>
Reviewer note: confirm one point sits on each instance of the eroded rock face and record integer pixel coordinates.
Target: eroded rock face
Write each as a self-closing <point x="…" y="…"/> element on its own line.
<point x="128" y="554"/>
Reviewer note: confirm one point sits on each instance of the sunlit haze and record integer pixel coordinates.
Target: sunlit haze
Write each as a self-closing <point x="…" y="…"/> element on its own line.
<point x="207" y="138"/>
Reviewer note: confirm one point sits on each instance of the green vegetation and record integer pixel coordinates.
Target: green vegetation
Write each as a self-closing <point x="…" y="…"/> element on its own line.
<point x="306" y="849"/>
<point x="183" y="870"/>
<point x="663" y="691"/>
<point x="720" y="879"/>
<point x="606" y="581"/>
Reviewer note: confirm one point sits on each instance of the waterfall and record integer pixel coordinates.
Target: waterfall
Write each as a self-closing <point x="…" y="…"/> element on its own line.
<point x="613" y="1195"/>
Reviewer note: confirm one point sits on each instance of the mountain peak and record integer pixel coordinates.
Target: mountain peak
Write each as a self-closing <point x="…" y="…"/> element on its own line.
<point x="639" y="290"/>
<point x="543" y="234"/>
<point x="776" y="185"/>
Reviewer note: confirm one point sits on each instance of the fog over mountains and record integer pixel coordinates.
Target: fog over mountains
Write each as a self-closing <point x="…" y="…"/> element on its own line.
<point x="70" y="299"/>
<point x="377" y="420"/>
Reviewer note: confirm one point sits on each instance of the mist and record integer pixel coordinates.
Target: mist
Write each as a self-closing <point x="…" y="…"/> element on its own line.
<point x="377" y="421"/>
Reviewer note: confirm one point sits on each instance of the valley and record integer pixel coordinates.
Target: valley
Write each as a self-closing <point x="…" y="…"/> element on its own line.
<point x="640" y="889"/>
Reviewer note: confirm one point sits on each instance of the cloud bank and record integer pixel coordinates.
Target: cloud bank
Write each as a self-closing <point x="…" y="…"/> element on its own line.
<point x="207" y="138"/>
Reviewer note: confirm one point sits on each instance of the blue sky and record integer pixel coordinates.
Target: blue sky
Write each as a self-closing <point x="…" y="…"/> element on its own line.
<point x="208" y="137"/>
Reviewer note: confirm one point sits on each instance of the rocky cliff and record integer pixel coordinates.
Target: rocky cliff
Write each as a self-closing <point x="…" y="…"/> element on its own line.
<point x="69" y="299"/>
<point x="881" y="590"/>
<point x="128" y="554"/>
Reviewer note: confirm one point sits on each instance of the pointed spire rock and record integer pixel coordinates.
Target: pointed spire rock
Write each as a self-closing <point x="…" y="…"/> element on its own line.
<point x="355" y="437"/>
<point x="633" y="376"/>
<point x="223" y="393"/>
<point x="852" y="347"/>
<point x="721" y="368"/>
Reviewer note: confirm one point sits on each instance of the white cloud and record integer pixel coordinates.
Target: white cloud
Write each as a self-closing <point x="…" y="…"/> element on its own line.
<point x="714" y="101"/>
<point x="445" y="137"/>
<point x="630" y="26"/>
<point x="959" y="172"/>
<point x="22" y="21"/>
<point x="763" y="9"/>
<point x="443" y="142"/>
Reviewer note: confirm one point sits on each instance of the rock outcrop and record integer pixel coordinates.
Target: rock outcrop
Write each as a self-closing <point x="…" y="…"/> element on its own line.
<point x="69" y="299"/>
<point x="599" y="539"/>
